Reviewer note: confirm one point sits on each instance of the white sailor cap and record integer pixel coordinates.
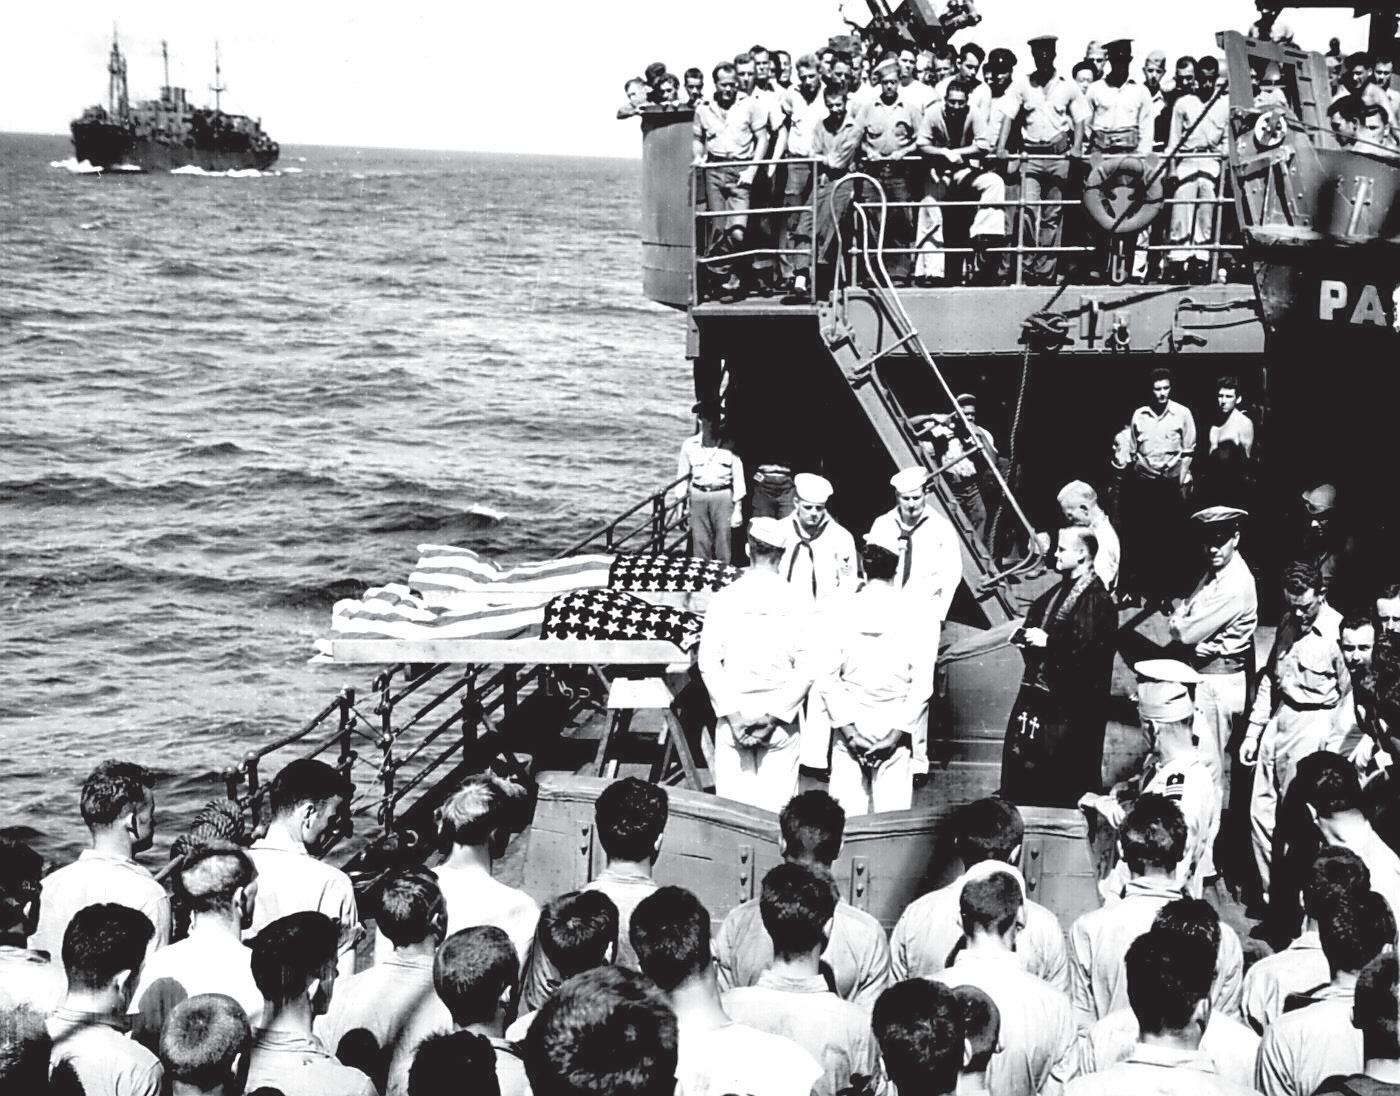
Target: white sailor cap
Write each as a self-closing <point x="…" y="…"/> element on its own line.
<point x="812" y="488"/>
<point x="1163" y="695"/>
<point x="882" y="536"/>
<point x="908" y="480"/>
<point x="768" y="531"/>
<point x="1320" y="499"/>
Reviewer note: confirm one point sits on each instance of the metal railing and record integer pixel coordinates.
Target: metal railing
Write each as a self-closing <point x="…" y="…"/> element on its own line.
<point x="1084" y="241"/>
<point x="430" y="720"/>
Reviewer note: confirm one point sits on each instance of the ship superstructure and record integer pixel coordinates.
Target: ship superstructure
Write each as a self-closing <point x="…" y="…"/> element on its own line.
<point x="166" y="133"/>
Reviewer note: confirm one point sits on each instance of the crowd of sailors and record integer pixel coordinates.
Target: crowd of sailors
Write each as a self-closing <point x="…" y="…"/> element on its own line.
<point x="244" y="977"/>
<point x="1001" y="138"/>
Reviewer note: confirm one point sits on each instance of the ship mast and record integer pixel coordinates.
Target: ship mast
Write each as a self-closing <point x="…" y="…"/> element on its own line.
<point x="217" y="87"/>
<point x="116" y="81"/>
<point x="165" y="59"/>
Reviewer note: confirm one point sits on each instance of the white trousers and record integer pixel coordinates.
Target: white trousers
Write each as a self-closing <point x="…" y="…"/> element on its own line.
<point x="888" y="787"/>
<point x="764" y="777"/>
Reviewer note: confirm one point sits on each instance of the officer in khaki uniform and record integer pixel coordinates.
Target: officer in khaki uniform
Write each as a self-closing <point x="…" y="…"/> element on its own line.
<point x="1174" y="768"/>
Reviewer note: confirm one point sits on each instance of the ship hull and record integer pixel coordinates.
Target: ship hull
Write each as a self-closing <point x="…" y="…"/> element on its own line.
<point x="107" y="146"/>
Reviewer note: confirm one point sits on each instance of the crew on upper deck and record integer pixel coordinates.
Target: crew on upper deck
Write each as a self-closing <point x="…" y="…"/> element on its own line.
<point x="1032" y="128"/>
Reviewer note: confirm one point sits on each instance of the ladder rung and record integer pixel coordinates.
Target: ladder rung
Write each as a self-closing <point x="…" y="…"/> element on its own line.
<point x="863" y="366"/>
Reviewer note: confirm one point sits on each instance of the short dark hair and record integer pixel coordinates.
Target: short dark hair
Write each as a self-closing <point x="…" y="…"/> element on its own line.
<point x="577" y="929"/>
<point x="1360" y="58"/>
<point x="879" y="562"/>
<point x="606" y="1032"/>
<point x="1353" y="622"/>
<point x="202" y="1037"/>
<point x="290" y="952"/>
<point x="450" y="1062"/>
<point x="1353" y="930"/>
<point x="306" y="780"/>
<point x="113" y="788"/>
<point x="693" y="72"/>
<point x="408" y="903"/>
<point x="1374" y="1007"/>
<point x="964" y="86"/>
<point x="1153" y="835"/>
<point x="974" y="49"/>
<point x="1194" y="918"/>
<point x="631" y="816"/>
<point x="102" y="941"/>
<point x="812" y="825"/>
<point x="1327" y="782"/>
<point x="1300" y="576"/>
<point x="987" y="829"/>
<point x="754" y="51"/>
<point x="1228" y="381"/>
<point x="1335" y="870"/>
<point x="1347" y="106"/>
<point x="1169" y="974"/>
<point x="991" y="902"/>
<point x="1084" y="66"/>
<point x="1161" y="373"/>
<point x="918" y="1024"/>
<point x="209" y="878"/>
<point x="25" y="1047"/>
<point x="795" y="904"/>
<point x="473" y="970"/>
<point x="981" y="1021"/>
<point x="670" y="932"/>
<point x="723" y="66"/>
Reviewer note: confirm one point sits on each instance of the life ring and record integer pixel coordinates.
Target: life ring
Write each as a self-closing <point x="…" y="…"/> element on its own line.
<point x="1123" y="195"/>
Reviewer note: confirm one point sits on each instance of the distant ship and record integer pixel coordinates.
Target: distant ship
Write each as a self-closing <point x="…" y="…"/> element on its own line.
<point x="166" y="133"/>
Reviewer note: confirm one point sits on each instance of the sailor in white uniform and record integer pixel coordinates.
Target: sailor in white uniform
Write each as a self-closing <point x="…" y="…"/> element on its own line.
<point x="878" y="693"/>
<point x="821" y="555"/>
<point x="930" y="568"/>
<point x="759" y="655"/>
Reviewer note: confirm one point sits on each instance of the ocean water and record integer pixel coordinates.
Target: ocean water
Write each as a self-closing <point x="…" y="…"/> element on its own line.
<point x="226" y="402"/>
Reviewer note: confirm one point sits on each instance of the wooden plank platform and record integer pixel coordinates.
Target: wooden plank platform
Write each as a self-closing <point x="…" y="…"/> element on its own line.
<point x="514" y="652"/>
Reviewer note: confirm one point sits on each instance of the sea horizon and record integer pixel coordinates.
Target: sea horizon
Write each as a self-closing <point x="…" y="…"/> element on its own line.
<point x="291" y="149"/>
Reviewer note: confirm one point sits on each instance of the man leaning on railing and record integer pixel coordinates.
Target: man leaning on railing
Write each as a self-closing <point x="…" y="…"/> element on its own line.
<point x="728" y="131"/>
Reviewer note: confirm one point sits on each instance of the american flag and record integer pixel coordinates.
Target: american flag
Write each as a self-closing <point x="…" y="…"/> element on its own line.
<point x="454" y="593"/>
<point x="458" y="577"/>
<point x="616" y="614"/>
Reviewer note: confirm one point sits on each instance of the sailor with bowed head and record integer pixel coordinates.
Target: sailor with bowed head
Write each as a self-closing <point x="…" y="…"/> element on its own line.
<point x="820" y="559"/>
<point x="758" y="659"/>
<point x="877" y="698"/>
<point x="928" y="571"/>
